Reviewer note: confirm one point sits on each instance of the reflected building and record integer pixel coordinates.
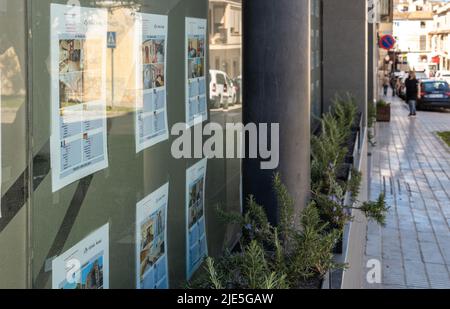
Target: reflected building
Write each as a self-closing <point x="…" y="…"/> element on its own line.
<point x="225" y="18"/>
<point x="438" y="37"/>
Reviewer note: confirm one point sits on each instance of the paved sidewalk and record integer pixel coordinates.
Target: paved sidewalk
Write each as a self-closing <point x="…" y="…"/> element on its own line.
<point x="412" y="166"/>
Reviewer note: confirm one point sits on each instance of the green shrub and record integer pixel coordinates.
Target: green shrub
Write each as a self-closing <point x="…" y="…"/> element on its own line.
<point x="376" y="210"/>
<point x="313" y="247"/>
<point x="345" y="112"/>
<point x="300" y="248"/>
<point x="353" y="185"/>
<point x="445" y="136"/>
<point x="301" y="251"/>
<point x="328" y="155"/>
<point x="382" y="103"/>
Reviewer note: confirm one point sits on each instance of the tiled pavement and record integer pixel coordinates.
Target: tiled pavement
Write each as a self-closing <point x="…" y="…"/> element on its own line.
<point x="412" y="166"/>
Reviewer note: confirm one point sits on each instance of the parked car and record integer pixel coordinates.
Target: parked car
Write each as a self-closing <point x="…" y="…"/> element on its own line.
<point x="238" y="85"/>
<point x="218" y="88"/>
<point x="434" y="93"/>
<point x="420" y="75"/>
<point x="232" y="92"/>
<point x="443" y="75"/>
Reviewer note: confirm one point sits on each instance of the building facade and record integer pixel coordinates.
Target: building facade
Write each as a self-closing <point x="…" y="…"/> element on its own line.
<point x="439" y="37"/>
<point x="418" y="24"/>
<point x="413" y="5"/>
<point x="225" y="35"/>
<point x="411" y="30"/>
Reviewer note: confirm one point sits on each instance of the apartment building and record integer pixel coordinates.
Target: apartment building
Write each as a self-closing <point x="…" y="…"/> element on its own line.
<point x="413" y="5"/>
<point x="418" y="23"/>
<point x="439" y="37"/>
<point x="225" y="36"/>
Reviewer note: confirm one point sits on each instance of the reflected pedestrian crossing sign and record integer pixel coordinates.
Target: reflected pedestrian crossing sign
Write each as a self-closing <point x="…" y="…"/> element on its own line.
<point x="111" y="40"/>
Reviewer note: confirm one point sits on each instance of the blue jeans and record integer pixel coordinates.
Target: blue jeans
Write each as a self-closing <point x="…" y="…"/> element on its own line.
<point x="412" y="106"/>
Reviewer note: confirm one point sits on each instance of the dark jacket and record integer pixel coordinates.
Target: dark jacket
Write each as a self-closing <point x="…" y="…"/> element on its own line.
<point x="412" y="88"/>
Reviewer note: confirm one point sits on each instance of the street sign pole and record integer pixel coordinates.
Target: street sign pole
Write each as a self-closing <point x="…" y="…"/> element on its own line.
<point x="112" y="78"/>
<point x="387" y="42"/>
<point x="395" y="61"/>
<point x="112" y="44"/>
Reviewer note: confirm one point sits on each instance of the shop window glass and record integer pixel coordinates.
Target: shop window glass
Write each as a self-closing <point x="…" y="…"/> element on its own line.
<point x="89" y="179"/>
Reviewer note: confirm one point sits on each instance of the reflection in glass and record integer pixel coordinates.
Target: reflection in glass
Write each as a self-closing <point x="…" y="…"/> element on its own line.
<point x="225" y="104"/>
<point x="60" y="220"/>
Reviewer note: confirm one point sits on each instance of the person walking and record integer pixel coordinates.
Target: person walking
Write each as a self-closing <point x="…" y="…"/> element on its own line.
<point x="386" y="84"/>
<point x="412" y="93"/>
<point x="393" y="83"/>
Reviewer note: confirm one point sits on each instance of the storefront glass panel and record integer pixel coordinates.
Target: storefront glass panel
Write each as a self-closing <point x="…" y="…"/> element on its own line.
<point x="109" y="204"/>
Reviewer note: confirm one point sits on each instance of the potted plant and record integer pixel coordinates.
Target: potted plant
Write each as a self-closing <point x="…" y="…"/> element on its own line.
<point x="383" y="111"/>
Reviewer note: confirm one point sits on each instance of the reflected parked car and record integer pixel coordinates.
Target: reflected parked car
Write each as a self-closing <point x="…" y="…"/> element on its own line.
<point x="434" y="93"/>
<point x="232" y="93"/>
<point x="218" y="88"/>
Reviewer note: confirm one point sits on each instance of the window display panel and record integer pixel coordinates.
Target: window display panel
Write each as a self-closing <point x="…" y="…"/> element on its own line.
<point x="196" y="109"/>
<point x="196" y="240"/>
<point x="78" y="54"/>
<point x="86" y="265"/>
<point x="151" y="104"/>
<point x="14" y="205"/>
<point x="140" y="81"/>
<point x="151" y="241"/>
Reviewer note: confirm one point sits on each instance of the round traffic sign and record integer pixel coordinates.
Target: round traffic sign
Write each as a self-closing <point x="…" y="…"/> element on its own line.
<point x="387" y="42"/>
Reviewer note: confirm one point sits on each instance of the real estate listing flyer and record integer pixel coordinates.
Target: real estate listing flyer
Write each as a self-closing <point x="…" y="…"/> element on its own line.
<point x="151" y="241"/>
<point x="196" y="242"/>
<point x="86" y="265"/>
<point x="151" y="99"/>
<point x="78" y="93"/>
<point x="196" y="100"/>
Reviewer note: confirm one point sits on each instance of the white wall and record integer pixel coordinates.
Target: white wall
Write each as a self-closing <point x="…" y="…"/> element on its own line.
<point x="408" y="34"/>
